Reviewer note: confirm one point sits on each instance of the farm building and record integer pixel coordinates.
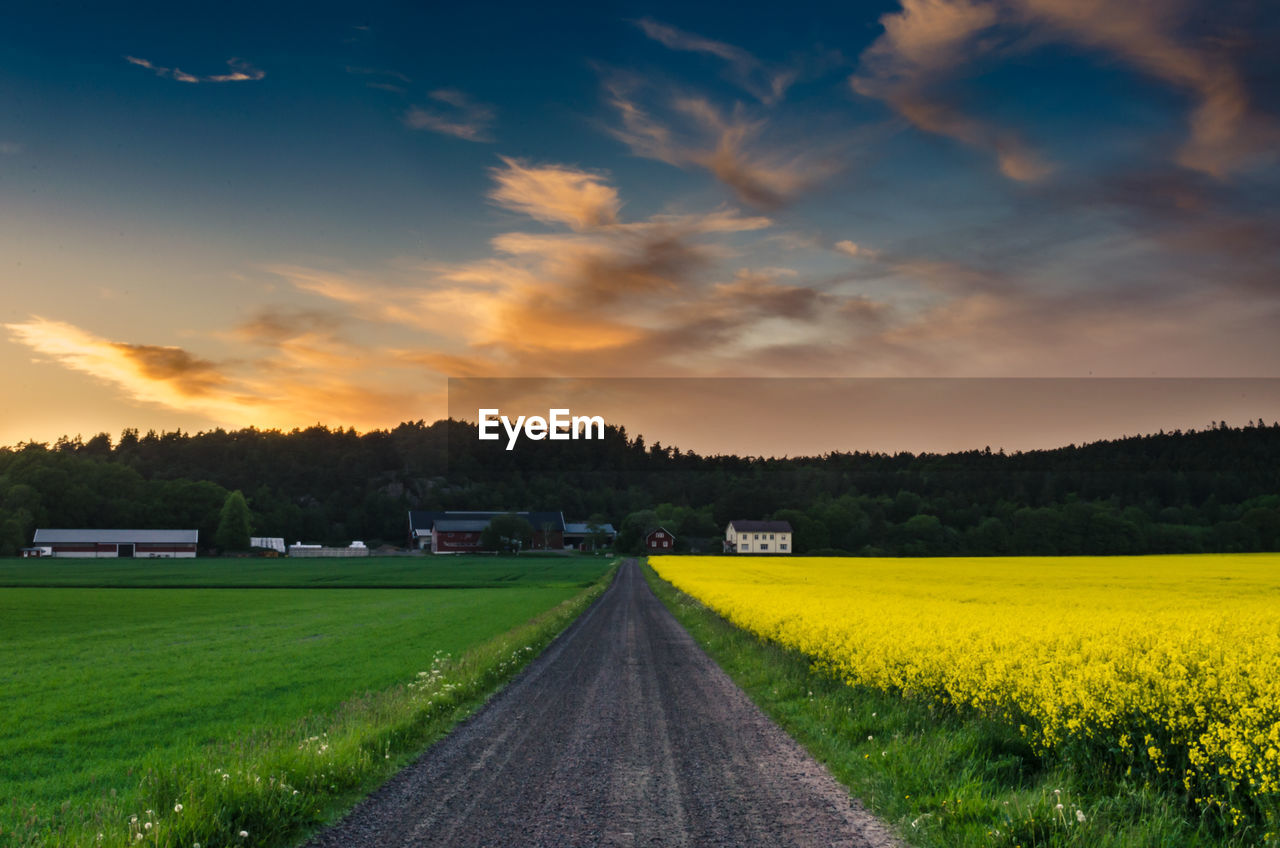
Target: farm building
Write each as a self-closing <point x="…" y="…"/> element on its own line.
<point x="758" y="537"/>
<point x="355" y="549"/>
<point x="457" y="532"/>
<point x="268" y="543"/>
<point x="659" y="541"/>
<point x="118" y="543"/>
<point x="578" y="536"/>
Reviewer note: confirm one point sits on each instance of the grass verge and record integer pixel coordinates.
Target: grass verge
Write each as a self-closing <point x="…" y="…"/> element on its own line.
<point x="940" y="778"/>
<point x="276" y="787"/>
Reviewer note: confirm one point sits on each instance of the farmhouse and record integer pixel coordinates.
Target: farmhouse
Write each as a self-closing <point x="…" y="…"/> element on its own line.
<point x="659" y="541"/>
<point x="577" y="536"/>
<point x="118" y="543"/>
<point x="758" y="537"/>
<point x="458" y="532"/>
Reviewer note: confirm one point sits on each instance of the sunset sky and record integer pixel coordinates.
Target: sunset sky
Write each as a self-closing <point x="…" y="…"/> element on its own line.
<point x="277" y="214"/>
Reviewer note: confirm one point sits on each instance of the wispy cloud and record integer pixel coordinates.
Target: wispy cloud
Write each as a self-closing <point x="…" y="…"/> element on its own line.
<point x="696" y="134"/>
<point x="849" y="248"/>
<point x="302" y="373"/>
<point x="10" y="148"/>
<point x="1226" y="134"/>
<point x="930" y="45"/>
<point x="167" y="376"/>
<point x="239" y="71"/>
<point x="380" y="77"/>
<point x="455" y="114"/>
<point x="766" y="83"/>
<point x="913" y="65"/>
<point x="556" y="194"/>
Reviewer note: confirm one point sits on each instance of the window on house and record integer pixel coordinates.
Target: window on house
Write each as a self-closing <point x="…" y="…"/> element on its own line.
<point x="764" y="546"/>
<point x="782" y="546"/>
<point x="666" y="544"/>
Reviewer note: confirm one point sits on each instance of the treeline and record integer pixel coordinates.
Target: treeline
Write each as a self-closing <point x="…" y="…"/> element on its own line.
<point x="1216" y="489"/>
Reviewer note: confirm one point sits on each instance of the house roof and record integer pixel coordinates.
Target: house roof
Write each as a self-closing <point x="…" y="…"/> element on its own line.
<point x="653" y="530"/>
<point x="423" y="520"/>
<point x="761" y="526"/>
<point x="583" y="529"/>
<point x="451" y="525"/>
<point x="46" y="536"/>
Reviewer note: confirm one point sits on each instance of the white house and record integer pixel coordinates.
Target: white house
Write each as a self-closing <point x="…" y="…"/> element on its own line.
<point x="758" y="537"/>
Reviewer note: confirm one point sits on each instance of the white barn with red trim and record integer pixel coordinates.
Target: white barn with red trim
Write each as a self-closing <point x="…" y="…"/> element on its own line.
<point x="98" y="544"/>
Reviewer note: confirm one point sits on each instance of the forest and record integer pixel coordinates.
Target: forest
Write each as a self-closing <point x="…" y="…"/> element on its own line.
<point x="1210" y="490"/>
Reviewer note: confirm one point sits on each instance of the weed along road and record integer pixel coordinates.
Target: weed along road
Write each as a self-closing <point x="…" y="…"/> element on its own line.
<point x="622" y="733"/>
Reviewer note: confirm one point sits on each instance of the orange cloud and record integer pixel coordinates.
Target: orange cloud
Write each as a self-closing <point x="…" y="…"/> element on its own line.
<point x="167" y="376"/>
<point x="699" y="135"/>
<point x="911" y="64"/>
<point x="555" y="194"/>
<point x="1225" y="134"/>
<point x="929" y="44"/>
<point x="303" y="378"/>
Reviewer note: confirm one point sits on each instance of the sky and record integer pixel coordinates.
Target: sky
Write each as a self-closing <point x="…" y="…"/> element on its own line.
<point x="277" y="215"/>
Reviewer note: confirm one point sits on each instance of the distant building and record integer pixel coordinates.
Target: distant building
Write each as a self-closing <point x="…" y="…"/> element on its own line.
<point x="758" y="537"/>
<point x="268" y="543"/>
<point x="28" y="553"/>
<point x="355" y="549"/>
<point x="578" y="536"/>
<point x="458" y="531"/>
<point x="143" y="544"/>
<point x="659" y="541"/>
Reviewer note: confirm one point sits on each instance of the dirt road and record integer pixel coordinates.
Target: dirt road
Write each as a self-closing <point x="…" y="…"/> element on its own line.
<point x="622" y="733"/>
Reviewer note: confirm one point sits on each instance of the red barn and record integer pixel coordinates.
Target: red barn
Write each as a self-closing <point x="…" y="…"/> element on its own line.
<point x="458" y="532"/>
<point x="659" y="541"/>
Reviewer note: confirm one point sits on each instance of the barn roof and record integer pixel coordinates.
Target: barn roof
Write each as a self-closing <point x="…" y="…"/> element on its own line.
<point x="453" y="525"/>
<point x="427" y="519"/>
<point x="583" y="529"/>
<point x="761" y="526"/>
<point x="45" y="536"/>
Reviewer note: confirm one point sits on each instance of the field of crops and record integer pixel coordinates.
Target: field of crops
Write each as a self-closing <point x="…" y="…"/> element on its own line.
<point x="99" y="685"/>
<point x="1164" y="665"/>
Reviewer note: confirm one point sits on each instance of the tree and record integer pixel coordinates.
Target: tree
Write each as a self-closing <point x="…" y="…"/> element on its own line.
<point x="506" y="533"/>
<point x="595" y="531"/>
<point x="234" y="524"/>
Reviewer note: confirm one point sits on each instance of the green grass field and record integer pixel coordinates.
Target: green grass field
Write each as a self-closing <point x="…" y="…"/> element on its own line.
<point x="422" y="572"/>
<point x="101" y="685"/>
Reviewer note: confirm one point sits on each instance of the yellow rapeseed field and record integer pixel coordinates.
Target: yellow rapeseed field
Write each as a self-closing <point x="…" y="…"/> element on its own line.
<point x="1162" y="664"/>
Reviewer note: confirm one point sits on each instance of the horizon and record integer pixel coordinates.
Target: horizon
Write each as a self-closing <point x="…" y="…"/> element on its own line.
<point x="224" y="218"/>
<point x="1034" y="411"/>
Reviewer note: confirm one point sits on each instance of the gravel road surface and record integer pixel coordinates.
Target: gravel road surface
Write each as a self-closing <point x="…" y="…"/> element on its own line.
<point x="622" y="733"/>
